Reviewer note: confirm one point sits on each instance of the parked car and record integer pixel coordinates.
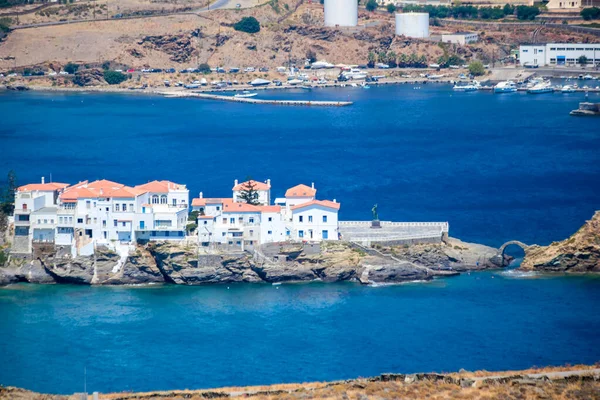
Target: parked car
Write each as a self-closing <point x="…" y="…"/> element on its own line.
<point x="264" y="69"/>
<point x="249" y="69"/>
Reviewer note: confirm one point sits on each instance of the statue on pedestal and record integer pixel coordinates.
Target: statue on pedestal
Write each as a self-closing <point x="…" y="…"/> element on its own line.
<point x="375" y="222"/>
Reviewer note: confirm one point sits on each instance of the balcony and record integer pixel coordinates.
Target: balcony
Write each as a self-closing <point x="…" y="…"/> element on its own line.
<point x="22" y="223"/>
<point x="21" y="211"/>
<point x="67" y="211"/>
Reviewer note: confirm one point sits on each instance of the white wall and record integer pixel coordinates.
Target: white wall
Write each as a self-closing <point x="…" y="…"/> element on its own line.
<point x="316" y="225"/>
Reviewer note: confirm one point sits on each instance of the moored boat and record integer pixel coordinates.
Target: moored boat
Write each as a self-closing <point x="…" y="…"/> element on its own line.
<point x="541" y="87"/>
<point x="245" y="94"/>
<point x="505" y="87"/>
<point x="568" y="89"/>
<point x="469" y="87"/>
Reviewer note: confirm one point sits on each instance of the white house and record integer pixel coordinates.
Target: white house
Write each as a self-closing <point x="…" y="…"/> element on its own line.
<point x="299" y="216"/>
<point x="263" y="190"/>
<point x="460" y="37"/>
<point x="315" y="220"/>
<point x="559" y="53"/>
<point x="101" y="212"/>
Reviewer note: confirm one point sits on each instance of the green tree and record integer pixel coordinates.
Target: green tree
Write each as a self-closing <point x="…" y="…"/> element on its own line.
<point x="7" y="194"/>
<point x="106" y="65"/>
<point x="590" y="13"/>
<point x="476" y="68"/>
<point x="204" y="68"/>
<point x="371" y="59"/>
<point x="582" y="60"/>
<point x="382" y="57"/>
<point x="248" y="25"/>
<point x="193" y="216"/>
<point x="71" y="68"/>
<point x="5" y="24"/>
<point x="527" y="12"/>
<point x="508" y="9"/>
<point x="391" y="59"/>
<point x="371" y="5"/>
<point x="114" y="77"/>
<point x="249" y="194"/>
<point x="391" y="8"/>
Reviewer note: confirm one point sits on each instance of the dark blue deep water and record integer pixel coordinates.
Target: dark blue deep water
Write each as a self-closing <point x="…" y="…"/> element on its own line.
<point x="497" y="167"/>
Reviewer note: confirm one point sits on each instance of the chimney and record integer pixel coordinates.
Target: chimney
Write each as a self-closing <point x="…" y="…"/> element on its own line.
<point x="235" y="182"/>
<point x="43" y="180"/>
<point x="269" y="182"/>
<point x="200" y="194"/>
<point x="312" y="185"/>
<point x="334" y="200"/>
<point x="101" y="191"/>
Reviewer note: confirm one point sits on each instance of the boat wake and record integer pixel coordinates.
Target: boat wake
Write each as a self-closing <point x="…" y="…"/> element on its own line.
<point x="384" y="284"/>
<point x="516" y="274"/>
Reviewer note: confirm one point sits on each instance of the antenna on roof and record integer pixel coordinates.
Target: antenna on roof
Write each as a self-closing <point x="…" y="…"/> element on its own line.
<point x="50" y="177"/>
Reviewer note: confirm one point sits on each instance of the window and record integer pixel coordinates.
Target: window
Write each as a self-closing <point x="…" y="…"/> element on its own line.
<point x="310" y="218"/>
<point x="80" y="220"/>
<point x="45" y="221"/>
<point x="223" y="234"/>
<point x="241" y="220"/>
<point x="570" y="48"/>
<point x="124" y="223"/>
<point x="155" y="199"/>
<point x="104" y="223"/>
<point x="52" y="221"/>
<point x="124" y="207"/>
<point x="163" y="199"/>
<point x="94" y="204"/>
<point x="269" y="232"/>
<point x="270" y="219"/>
<point x="300" y="218"/>
<point x="525" y="51"/>
<point x="174" y="202"/>
<point x="87" y="204"/>
<point x="251" y="220"/>
<point x="116" y="207"/>
<point x="60" y="220"/>
<point x="106" y="209"/>
<point x="251" y="232"/>
<point x="95" y="220"/>
<point x="115" y="222"/>
<point x="218" y="208"/>
<point x="232" y="220"/>
<point x="552" y="48"/>
<point x="105" y="235"/>
<point x="287" y="232"/>
<point x="300" y="234"/>
<point x="224" y="221"/>
<point x="325" y="234"/>
<point x="205" y="223"/>
<point x="325" y="218"/>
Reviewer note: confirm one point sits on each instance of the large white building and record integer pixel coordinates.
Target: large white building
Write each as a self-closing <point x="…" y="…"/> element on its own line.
<point x="558" y="53"/>
<point x="86" y="214"/>
<point x="297" y="217"/>
<point x="460" y="37"/>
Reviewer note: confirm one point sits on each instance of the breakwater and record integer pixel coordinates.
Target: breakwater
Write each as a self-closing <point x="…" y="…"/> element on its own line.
<point x="259" y="101"/>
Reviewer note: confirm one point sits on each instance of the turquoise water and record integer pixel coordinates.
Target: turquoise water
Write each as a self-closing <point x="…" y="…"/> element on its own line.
<point x="198" y="337"/>
<point x="497" y="167"/>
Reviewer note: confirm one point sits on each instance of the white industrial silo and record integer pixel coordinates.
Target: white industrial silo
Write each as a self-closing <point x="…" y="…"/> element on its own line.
<point x="341" y="12"/>
<point x="415" y="25"/>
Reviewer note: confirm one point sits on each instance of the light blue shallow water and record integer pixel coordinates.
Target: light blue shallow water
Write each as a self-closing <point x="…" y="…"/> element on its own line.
<point x="497" y="167"/>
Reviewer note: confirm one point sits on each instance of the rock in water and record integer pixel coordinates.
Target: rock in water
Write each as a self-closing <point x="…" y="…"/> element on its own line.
<point x="579" y="253"/>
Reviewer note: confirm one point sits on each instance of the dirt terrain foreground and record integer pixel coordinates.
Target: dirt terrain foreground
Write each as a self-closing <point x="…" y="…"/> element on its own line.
<point x="561" y="383"/>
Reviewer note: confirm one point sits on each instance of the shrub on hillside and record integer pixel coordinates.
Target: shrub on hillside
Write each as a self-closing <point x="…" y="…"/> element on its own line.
<point x="371" y="5"/>
<point x="114" y="77"/>
<point x="71" y="68"/>
<point x="527" y="12"/>
<point x="248" y="25"/>
<point x="204" y="68"/>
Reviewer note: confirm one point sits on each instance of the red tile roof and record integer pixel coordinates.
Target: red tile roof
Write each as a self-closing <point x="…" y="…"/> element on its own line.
<point x="103" y="188"/>
<point x="323" y="203"/>
<point x="301" y="191"/>
<point x="257" y="185"/>
<point x="44" y="187"/>
<point x="205" y="216"/>
<point x="204" y="201"/>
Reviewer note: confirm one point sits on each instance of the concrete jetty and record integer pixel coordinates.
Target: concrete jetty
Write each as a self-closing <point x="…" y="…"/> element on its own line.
<point x="259" y="101"/>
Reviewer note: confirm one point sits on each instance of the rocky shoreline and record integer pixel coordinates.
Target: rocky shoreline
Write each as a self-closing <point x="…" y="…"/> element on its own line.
<point x="188" y="264"/>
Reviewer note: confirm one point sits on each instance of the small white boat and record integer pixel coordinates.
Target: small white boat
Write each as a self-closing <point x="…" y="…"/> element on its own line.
<point x="365" y="85"/>
<point x="505" y="87"/>
<point x="542" y="87"/>
<point x="294" y="82"/>
<point x="588" y="77"/>
<point x="245" y="93"/>
<point x="469" y="87"/>
<point x="568" y="89"/>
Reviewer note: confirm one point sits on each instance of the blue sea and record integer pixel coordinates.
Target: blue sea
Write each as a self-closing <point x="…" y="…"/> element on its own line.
<point x="496" y="167"/>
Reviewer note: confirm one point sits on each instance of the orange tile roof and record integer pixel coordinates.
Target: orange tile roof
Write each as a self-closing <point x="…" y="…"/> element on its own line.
<point x="124" y="192"/>
<point x="257" y="185"/>
<point x="104" y="184"/>
<point x="323" y="203"/>
<point x="270" y="209"/>
<point x="204" y="201"/>
<point x="44" y="187"/>
<point x="78" y="192"/>
<point x="231" y="206"/>
<point x="301" y="191"/>
<point x="160" y="186"/>
<point x="205" y="216"/>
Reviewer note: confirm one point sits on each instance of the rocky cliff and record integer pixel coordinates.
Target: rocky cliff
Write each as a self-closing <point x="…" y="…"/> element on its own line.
<point x="579" y="253"/>
<point x="186" y="264"/>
